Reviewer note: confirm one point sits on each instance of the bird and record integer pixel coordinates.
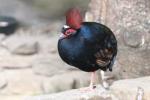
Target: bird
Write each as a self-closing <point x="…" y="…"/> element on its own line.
<point x="8" y="25"/>
<point x="88" y="46"/>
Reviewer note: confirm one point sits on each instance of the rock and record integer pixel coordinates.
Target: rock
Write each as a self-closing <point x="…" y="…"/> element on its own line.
<point x="21" y="45"/>
<point x="66" y="81"/>
<point x="47" y="66"/>
<point x="77" y="94"/>
<point x="50" y="65"/>
<point x="129" y="89"/>
<point x="26" y="48"/>
<point x="12" y="97"/>
<point x="133" y="38"/>
<point x="9" y="61"/>
<point x="131" y="63"/>
<point x="3" y="82"/>
<point x="21" y="82"/>
<point x="48" y="44"/>
<point x="131" y="30"/>
<point x="16" y="62"/>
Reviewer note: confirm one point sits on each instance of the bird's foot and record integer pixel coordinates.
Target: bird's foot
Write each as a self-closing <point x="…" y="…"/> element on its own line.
<point x="88" y="89"/>
<point x="105" y="85"/>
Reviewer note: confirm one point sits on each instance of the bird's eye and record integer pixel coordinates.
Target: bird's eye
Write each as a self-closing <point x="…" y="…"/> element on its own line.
<point x="68" y="32"/>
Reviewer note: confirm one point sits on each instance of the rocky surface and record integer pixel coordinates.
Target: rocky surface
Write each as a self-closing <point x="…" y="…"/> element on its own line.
<point x="77" y="94"/>
<point x="128" y="89"/>
<point x="21" y="45"/>
<point x="66" y="81"/>
<point x="132" y="89"/>
<point x="129" y="20"/>
<point x="22" y="82"/>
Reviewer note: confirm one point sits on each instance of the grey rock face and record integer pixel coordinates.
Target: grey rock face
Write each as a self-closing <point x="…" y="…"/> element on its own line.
<point x="21" y="45"/>
<point x="131" y="89"/>
<point x="77" y="94"/>
<point x="22" y="82"/>
<point x="44" y="66"/>
<point x="133" y="38"/>
<point x="129" y="20"/>
<point x="128" y="89"/>
<point x="66" y="81"/>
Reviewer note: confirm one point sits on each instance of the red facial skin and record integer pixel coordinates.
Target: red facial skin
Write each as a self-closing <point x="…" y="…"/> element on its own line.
<point x="69" y="32"/>
<point x="73" y="20"/>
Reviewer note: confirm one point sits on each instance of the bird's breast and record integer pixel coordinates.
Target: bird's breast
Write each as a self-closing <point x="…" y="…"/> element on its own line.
<point x="71" y="50"/>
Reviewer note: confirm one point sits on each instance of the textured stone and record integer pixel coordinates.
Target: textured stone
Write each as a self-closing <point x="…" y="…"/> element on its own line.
<point x="49" y="65"/>
<point x="48" y="44"/>
<point x="77" y="94"/>
<point x="128" y="89"/>
<point x="15" y="62"/>
<point x="43" y="67"/>
<point x="131" y="89"/>
<point x="22" y="45"/>
<point x="133" y="38"/>
<point x="129" y="20"/>
<point x="66" y="81"/>
<point x="2" y="37"/>
<point x="26" y="48"/>
<point x="3" y="82"/>
<point x="12" y="97"/>
<point x="21" y="82"/>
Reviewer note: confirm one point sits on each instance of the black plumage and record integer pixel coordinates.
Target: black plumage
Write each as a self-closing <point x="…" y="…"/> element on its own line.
<point x="91" y="47"/>
<point x="8" y="25"/>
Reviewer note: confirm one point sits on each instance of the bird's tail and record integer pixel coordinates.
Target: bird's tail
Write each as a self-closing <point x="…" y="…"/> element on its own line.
<point x="110" y="65"/>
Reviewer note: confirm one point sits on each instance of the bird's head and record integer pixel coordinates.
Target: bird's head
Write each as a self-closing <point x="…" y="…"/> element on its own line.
<point x="73" y="22"/>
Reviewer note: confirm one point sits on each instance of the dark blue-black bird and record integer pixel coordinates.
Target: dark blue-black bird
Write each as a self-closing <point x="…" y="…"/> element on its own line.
<point x="8" y="25"/>
<point x="88" y="46"/>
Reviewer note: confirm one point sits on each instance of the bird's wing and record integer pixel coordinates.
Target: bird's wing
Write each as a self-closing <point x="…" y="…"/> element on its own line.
<point x="103" y="57"/>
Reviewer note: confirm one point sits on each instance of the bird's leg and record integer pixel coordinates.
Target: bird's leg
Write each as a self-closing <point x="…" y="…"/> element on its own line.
<point x="104" y="82"/>
<point x="91" y="86"/>
<point x="92" y="81"/>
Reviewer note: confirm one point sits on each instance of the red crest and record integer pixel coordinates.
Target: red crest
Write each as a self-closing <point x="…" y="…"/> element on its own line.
<point x="74" y="18"/>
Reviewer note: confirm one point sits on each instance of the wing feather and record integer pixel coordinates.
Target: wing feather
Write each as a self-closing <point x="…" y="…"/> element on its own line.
<point x="103" y="57"/>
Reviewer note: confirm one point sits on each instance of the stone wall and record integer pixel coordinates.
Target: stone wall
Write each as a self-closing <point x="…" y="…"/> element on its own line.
<point x="130" y="22"/>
